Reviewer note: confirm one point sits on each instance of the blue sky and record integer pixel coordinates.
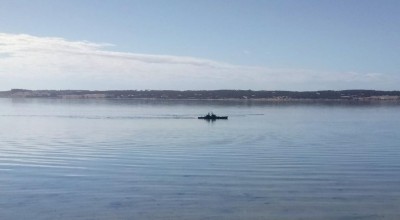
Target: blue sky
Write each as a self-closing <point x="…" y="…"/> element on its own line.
<point x="281" y="44"/>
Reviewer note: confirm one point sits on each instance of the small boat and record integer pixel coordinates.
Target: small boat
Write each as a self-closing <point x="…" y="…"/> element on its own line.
<point x="212" y="116"/>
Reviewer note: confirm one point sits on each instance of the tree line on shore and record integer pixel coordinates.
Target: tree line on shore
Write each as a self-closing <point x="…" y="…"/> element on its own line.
<point x="205" y="94"/>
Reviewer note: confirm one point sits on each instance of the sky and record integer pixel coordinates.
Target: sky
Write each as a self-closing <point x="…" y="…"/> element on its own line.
<point x="204" y="44"/>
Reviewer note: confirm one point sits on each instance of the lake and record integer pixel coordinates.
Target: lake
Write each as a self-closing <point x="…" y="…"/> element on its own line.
<point x="149" y="159"/>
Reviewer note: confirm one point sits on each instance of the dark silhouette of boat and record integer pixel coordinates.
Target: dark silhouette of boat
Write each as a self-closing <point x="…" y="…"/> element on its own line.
<point x="212" y="116"/>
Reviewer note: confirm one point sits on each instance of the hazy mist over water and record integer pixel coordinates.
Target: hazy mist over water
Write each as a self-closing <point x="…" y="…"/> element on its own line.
<point x="149" y="159"/>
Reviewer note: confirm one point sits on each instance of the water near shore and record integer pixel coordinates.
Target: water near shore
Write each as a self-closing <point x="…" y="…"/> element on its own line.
<point x="127" y="159"/>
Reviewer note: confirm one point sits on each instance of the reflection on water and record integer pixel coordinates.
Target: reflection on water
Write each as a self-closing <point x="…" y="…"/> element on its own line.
<point x="147" y="159"/>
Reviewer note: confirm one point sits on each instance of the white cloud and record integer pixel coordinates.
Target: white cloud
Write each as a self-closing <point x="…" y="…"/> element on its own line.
<point x="55" y="63"/>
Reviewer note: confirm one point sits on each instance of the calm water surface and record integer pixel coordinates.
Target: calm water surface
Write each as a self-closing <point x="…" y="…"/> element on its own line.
<point x="124" y="159"/>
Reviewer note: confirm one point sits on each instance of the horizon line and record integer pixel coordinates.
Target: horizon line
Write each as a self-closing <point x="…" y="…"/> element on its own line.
<point x="105" y="90"/>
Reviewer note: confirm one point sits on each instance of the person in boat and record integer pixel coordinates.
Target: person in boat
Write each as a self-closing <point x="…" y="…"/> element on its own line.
<point x="211" y="115"/>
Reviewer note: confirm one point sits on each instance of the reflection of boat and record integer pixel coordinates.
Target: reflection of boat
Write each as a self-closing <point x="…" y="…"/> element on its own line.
<point x="212" y="116"/>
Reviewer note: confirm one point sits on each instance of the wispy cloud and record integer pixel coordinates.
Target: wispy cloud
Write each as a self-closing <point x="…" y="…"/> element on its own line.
<point x="55" y="63"/>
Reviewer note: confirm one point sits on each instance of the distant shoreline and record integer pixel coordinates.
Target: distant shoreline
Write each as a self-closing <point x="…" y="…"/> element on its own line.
<point x="240" y="95"/>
